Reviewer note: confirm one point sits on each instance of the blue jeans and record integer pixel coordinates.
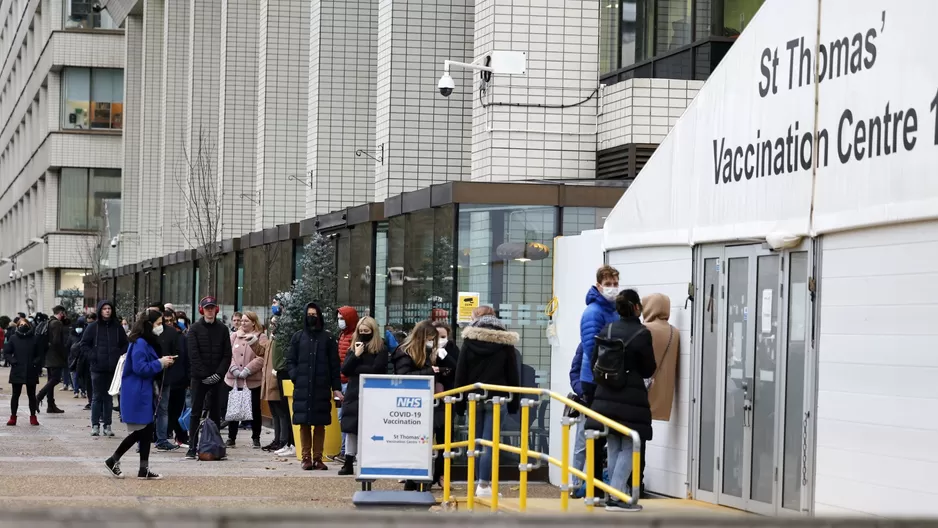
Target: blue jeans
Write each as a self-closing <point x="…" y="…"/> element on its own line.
<point x="484" y="426"/>
<point x="619" y="461"/>
<point x="102" y="404"/>
<point x="76" y="383"/>
<point x="344" y="386"/>
<point x="66" y="378"/>
<point x="162" y="417"/>
<point x="579" y="451"/>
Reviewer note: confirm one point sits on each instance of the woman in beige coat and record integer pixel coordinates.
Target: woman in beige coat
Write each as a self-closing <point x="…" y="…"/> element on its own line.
<point x="666" y="340"/>
<point x="248" y="346"/>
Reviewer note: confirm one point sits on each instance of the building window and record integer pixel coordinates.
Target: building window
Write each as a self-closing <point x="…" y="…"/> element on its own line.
<point x="666" y="38"/>
<point x="94" y="99"/>
<point x="82" y="195"/>
<point x="79" y="14"/>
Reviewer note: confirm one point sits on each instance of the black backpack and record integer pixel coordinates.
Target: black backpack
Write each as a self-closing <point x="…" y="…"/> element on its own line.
<point x="609" y="360"/>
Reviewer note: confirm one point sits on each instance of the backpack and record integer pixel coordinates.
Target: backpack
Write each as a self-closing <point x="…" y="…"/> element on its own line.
<point x="609" y="360"/>
<point x="211" y="446"/>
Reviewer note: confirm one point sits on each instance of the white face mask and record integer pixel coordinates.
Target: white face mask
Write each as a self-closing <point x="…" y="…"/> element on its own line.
<point x="126" y="328"/>
<point x="79" y="330"/>
<point x="157" y="330"/>
<point x="430" y="345"/>
<point x="610" y="292"/>
<point x="341" y="324"/>
<point x="443" y="342"/>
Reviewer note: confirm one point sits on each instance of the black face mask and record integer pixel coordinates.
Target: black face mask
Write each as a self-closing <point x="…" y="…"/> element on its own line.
<point x="311" y="320"/>
<point x="365" y="338"/>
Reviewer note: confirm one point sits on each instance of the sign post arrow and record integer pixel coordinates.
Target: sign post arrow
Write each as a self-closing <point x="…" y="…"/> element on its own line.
<point x="377" y="438"/>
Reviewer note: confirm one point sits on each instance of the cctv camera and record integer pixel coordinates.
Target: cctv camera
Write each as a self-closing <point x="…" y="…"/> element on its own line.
<point x="114" y="242"/>
<point x="446" y="85"/>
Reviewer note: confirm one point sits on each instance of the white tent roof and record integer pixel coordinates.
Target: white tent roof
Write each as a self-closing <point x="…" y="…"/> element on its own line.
<point x="737" y="164"/>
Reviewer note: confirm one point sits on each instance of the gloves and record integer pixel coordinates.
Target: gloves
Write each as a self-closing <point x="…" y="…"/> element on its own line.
<point x="234" y="370"/>
<point x="251" y="339"/>
<point x="211" y="380"/>
<point x="244" y="373"/>
<point x="273" y="371"/>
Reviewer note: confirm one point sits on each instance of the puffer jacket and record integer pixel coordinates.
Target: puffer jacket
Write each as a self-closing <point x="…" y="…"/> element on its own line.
<point x="488" y="355"/>
<point x="209" y="349"/>
<point x="21" y="352"/>
<point x="598" y="313"/>
<point x="250" y="356"/>
<point x="57" y="354"/>
<point x="350" y="316"/>
<point x="103" y="342"/>
<point x="628" y="405"/>
<point x="313" y="364"/>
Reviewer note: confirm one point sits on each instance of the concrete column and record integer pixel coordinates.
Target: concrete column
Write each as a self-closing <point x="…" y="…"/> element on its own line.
<point x="133" y="118"/>
<point x="425" y="136"/>
<point x="172" y="162"/>
<point x="237" y="117"/>
<point x="150" y="191"/>
<point x="562" y="61"/>
<point x="202" y="100"/>
<point x="282" y="93"/>
<point x="342" y="65"/>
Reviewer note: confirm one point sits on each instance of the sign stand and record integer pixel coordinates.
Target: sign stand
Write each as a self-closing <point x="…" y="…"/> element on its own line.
<point x="395" y="438"/>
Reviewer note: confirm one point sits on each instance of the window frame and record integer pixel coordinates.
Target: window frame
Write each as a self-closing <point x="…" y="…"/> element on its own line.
<point x="64" y="124"/>
<point x="90" y="217"/>
<point x="103" y="14"/>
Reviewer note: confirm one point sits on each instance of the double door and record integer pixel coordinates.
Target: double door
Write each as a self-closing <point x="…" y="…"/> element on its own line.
<point x="753" y="378"/>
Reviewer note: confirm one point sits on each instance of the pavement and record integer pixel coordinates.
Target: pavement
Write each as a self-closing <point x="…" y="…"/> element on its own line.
<point x="60" y="464"/>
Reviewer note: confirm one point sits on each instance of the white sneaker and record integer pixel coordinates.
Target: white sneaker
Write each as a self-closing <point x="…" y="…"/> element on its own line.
<point x="485" y="492"/>
<point x="287" y="451"/>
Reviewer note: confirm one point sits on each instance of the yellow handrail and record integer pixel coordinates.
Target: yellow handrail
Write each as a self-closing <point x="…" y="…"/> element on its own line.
<point x="470" y="392"/>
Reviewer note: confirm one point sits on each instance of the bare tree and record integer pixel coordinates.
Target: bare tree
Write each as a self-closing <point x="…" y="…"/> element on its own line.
<point x="95" y="258"/>
<point x="202" y="195"/>
<point x="271" y="258"/>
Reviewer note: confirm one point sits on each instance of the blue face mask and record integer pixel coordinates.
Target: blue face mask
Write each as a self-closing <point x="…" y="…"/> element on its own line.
<point x="79" y="330"/>
<point x="181" y="323"/>
<point x="275" y="310"/>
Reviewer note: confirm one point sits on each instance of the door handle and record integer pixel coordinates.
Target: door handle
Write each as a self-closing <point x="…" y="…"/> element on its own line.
<point x="747" y="417"/>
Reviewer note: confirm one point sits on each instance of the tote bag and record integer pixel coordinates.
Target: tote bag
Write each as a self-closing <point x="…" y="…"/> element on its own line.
<point x="239" y="404"/>
<point x="115" y="388"/>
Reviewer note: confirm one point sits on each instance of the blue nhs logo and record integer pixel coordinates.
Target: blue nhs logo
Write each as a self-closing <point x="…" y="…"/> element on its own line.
<point x="409" y="403"/>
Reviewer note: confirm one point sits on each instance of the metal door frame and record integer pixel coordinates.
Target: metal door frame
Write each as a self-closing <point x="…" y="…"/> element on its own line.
<point x="723" y="253"/>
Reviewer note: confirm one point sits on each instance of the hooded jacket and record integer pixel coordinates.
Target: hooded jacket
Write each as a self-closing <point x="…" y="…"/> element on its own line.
<point x="57" y="355"/>
<point x="350" y="316"/>
<point x="598" y="313"/>
<point x="313" y="364"/>
<point x="209" y="349"/>
<point x="628" y="404"/>
<point x="103" y="342"/>
<point x="488" y="355"/>
<point x="22" y="353"/>
<point x="575" y="371"/>
<point x="71" y="344"/>
<point x="667" y="344"/>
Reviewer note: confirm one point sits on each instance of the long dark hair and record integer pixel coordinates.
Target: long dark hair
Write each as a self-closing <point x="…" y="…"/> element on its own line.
<point x="627" y="302"/>
<point x="143" y="327"/>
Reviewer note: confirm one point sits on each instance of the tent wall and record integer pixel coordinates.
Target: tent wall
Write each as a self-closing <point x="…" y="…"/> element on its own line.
<point x="665" y="270"/>
<point x="877" y="409"/>
<point x="576" y="259"/>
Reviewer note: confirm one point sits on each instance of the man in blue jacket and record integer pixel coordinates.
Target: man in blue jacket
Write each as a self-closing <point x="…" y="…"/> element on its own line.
<point x="600" y="311"/>
<point x="103" y="343"/>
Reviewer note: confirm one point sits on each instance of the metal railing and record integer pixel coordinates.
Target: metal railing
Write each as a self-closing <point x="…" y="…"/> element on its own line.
<point x="448" y="398"/>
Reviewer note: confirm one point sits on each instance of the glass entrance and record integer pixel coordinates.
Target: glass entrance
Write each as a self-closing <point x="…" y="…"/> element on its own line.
<point x="752" y="315"/>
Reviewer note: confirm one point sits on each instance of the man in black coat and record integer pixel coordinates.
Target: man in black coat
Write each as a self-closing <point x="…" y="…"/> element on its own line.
<point x="313" y="364"/>
<point x="209" y="344"/>
<point x="102" y="344"/>
<point x="56" y="358"/>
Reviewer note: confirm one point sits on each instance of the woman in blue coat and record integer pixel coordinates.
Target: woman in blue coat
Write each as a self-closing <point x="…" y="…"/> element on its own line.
<point x="141" y="366"/>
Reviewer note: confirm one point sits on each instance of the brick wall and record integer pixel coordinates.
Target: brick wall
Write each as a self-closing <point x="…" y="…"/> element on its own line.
<point x="511" y="143"/>
<point x="642" y="110"/>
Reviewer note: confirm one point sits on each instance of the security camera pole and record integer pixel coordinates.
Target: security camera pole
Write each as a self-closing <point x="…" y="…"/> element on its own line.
<point x="447" y="85"/>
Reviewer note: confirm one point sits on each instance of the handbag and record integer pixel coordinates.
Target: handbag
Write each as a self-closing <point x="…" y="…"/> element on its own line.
<point x="651" y="381"/>
<point x="239" y="404"/>
<point x="115" y="387"/>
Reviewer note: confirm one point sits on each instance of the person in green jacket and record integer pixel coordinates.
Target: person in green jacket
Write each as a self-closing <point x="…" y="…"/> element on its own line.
<point x="275" y="371"/>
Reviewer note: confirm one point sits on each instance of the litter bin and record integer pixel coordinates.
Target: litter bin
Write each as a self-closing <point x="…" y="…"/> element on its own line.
<point x="333" y="444"/>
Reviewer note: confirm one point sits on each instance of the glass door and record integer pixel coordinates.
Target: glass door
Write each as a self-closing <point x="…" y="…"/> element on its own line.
<point x="750" y="378"/>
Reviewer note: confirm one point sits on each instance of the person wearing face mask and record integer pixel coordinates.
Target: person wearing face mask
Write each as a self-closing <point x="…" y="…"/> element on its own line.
<point x="182" y="322"/>
<point x="209" y="345"/>
<point x="141" y="367"/>
<point x="71" y="345"/>
<point x="275" y="371"/>
<point x="248" y="346"/>
<point x="313" y="365"/>
<point x="56" y="358"/>
<point x="368" y="355"/>
<point x="102" y="343"/>
<point x="173" y="387"/>
<point x="417" y="356"/>
<point x="125" y="325"/>
<point x="22" y="353"/>
<point x="347" y="323"/>
<point x="600" y="311"/>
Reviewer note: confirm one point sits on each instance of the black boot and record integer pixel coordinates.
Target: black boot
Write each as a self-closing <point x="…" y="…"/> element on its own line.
<point x="348" y="468"/>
